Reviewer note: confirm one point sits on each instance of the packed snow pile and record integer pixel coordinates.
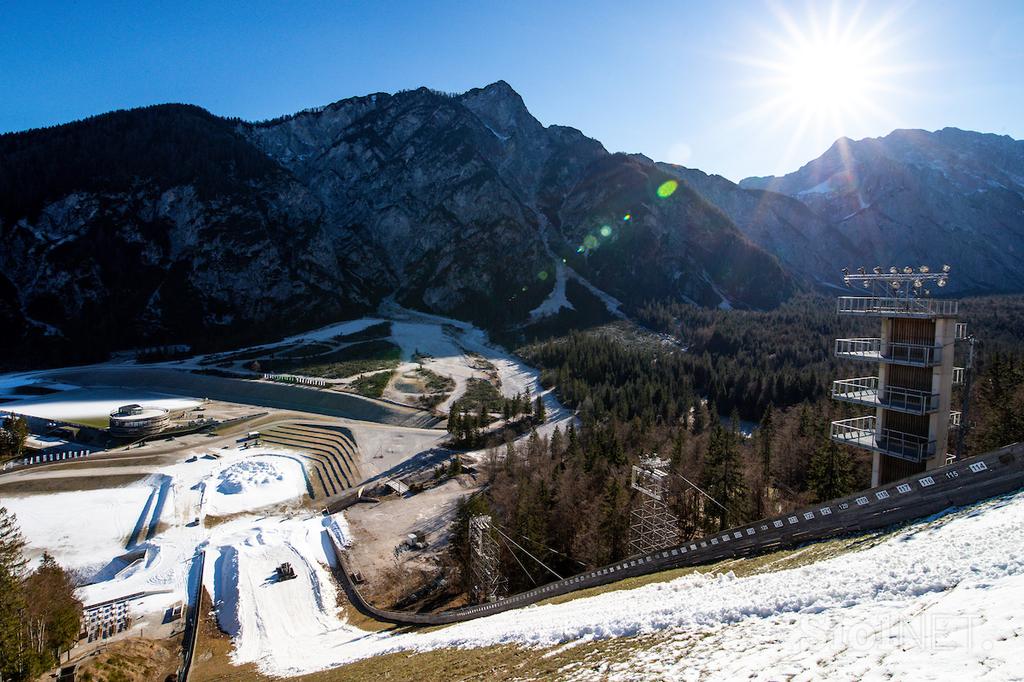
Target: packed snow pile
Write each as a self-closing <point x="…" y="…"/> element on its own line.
<point x="247" y="475"/>
<point x="256" y="482"/>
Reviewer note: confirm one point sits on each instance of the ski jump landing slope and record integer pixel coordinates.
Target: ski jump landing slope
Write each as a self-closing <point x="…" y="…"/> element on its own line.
<point x="954" y="485"/>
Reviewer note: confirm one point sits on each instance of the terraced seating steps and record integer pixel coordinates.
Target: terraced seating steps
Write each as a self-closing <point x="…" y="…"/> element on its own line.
<point x="344" y="447"/>
<point x="340" y="466"/>
<point x="330" y="452"/>
<point x="320" y="462"/>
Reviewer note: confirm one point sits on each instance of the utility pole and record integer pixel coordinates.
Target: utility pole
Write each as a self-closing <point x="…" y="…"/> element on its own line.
<point x="652" y="525"/>
<point x="488" y="582"/>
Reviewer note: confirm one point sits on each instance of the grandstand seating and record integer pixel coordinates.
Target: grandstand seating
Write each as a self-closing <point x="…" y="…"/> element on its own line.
<point x="329" y="454"/>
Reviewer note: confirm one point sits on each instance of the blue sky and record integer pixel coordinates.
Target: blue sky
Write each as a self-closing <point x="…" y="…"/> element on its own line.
<point x="692" y="83"/>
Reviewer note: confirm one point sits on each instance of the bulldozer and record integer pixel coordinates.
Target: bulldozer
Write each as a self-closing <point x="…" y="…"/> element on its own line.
<point x="285" y="572"/>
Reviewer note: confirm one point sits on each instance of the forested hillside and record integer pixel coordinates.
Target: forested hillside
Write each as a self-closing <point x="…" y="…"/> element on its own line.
<point x="637" y="392"/>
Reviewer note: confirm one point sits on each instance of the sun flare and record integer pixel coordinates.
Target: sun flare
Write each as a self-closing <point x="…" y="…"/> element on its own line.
<point x="826" y="76"/>
<point x="824" y="73"/>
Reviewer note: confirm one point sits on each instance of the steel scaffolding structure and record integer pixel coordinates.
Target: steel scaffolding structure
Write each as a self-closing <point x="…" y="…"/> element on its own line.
<point x="910" y="391"/>
<point x="488" y="582"/>
<point x="652" y="526"/>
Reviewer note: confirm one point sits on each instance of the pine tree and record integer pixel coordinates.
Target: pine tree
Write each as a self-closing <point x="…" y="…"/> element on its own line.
<point x="540" y="413"/>
<point x="830" y="472"/>
<point x="12" y="544"/>
<point x="722" y="477"/>
<point x="765" y="437"/>
<point x="13" y="655"/>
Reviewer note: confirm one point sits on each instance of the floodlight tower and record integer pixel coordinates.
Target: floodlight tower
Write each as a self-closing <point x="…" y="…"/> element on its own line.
<point x="652" y="525"/>
<point x="488" y="582"/>
<point x="912" y="389"/>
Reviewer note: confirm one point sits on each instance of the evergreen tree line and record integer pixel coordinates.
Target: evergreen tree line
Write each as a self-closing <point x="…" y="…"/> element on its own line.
<point x="13" y="434"/>
<point x="40" y="616"/>
<point x="567" y="499"/>
<point x="468" y="426"/>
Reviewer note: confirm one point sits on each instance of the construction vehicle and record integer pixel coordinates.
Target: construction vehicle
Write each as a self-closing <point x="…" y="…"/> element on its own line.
<point x="285" y="572"/>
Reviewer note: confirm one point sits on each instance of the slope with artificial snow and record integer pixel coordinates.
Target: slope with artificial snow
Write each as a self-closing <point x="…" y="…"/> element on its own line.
<point x="944" y="593"/>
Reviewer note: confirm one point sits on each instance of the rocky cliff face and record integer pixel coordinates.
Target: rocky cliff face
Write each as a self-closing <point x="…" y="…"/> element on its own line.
<point x="168" y="224"/>
<point x="915" y="197"/>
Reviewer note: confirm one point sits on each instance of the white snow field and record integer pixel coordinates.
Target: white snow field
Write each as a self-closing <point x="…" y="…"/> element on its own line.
<point x="939" y="600"/>
<point x="142" y="538"/>
<point x="83" y="530"/>
<point x="94" y="403"/>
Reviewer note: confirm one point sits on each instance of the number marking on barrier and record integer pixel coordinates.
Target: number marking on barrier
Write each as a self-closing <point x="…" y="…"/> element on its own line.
<point x="903" y="488"/>
<point x="978" y="467"/>
<point x="825" y="511"/>
<point x="861" y="501"/>
<point x="777" y="524"/>
<point x="792" y="520"/>
<point x="882" y="494"/>
<point x="808" y="516"/>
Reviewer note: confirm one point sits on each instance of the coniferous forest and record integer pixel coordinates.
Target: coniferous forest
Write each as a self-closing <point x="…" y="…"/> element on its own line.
<point x="688" y="383"/>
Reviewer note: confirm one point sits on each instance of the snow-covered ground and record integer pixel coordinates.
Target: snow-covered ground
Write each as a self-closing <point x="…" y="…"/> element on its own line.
<point x="93" y="403"/>
<point x="102" y="534"/>
<point x="938" y="600"/>
<point x="83" y="530"/>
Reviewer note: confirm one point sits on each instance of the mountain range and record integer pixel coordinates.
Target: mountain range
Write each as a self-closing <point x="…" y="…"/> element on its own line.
<point x="168" y="224"/>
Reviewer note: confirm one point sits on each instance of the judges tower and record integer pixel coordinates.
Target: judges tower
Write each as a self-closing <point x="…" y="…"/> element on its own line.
<point x="911" y="391"/>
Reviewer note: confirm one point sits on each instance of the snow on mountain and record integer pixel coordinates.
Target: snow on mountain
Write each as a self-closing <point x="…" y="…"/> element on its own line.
<point x="912" y="197"/>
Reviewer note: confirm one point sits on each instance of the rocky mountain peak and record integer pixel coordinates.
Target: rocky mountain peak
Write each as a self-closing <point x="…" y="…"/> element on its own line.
<point x="502" y="109"/>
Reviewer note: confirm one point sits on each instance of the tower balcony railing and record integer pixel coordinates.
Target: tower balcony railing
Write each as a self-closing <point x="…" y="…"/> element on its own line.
<point x="955" y="419"/>
<point x="886" y="306"/>
<point x="897" y="353"/>
<point x="862" y="432"/>
<point x="864" y="391"/>
<point x="958" y="376"/>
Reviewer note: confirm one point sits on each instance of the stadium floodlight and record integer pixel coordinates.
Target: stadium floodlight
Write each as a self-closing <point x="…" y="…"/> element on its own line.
<point x="878" y="270"/>
<point x="846" y="271"/>
<point x="867" y="284"/>
<point x="908" y="270"/>
<point x="945" y="268"/>
<point x="924" y="269"/>
<point x="861" y="270"/>
<point x="846" y="281"/>
<point x="942" y="282"/>
<point x="895" y="284"/>
<point x="918" y="284"/>
<point x="893" y="270"/>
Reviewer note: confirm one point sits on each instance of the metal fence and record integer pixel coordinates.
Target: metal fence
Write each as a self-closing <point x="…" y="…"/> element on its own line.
<point x="883" y="305"/>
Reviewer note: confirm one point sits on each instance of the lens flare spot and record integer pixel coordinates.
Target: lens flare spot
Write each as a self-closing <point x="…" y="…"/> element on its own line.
<point x="626" y="217"/>
<point x="606" y="231"/>
<point x="590" y="241"/>
<point x="580" y="249"/>
<point x="542" y="275"/>
<point x="667" y="188"/>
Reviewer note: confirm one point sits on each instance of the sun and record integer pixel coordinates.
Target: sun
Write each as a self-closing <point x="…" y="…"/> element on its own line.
<point x="827" y="76"/>
<point x="825" y="73"/>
